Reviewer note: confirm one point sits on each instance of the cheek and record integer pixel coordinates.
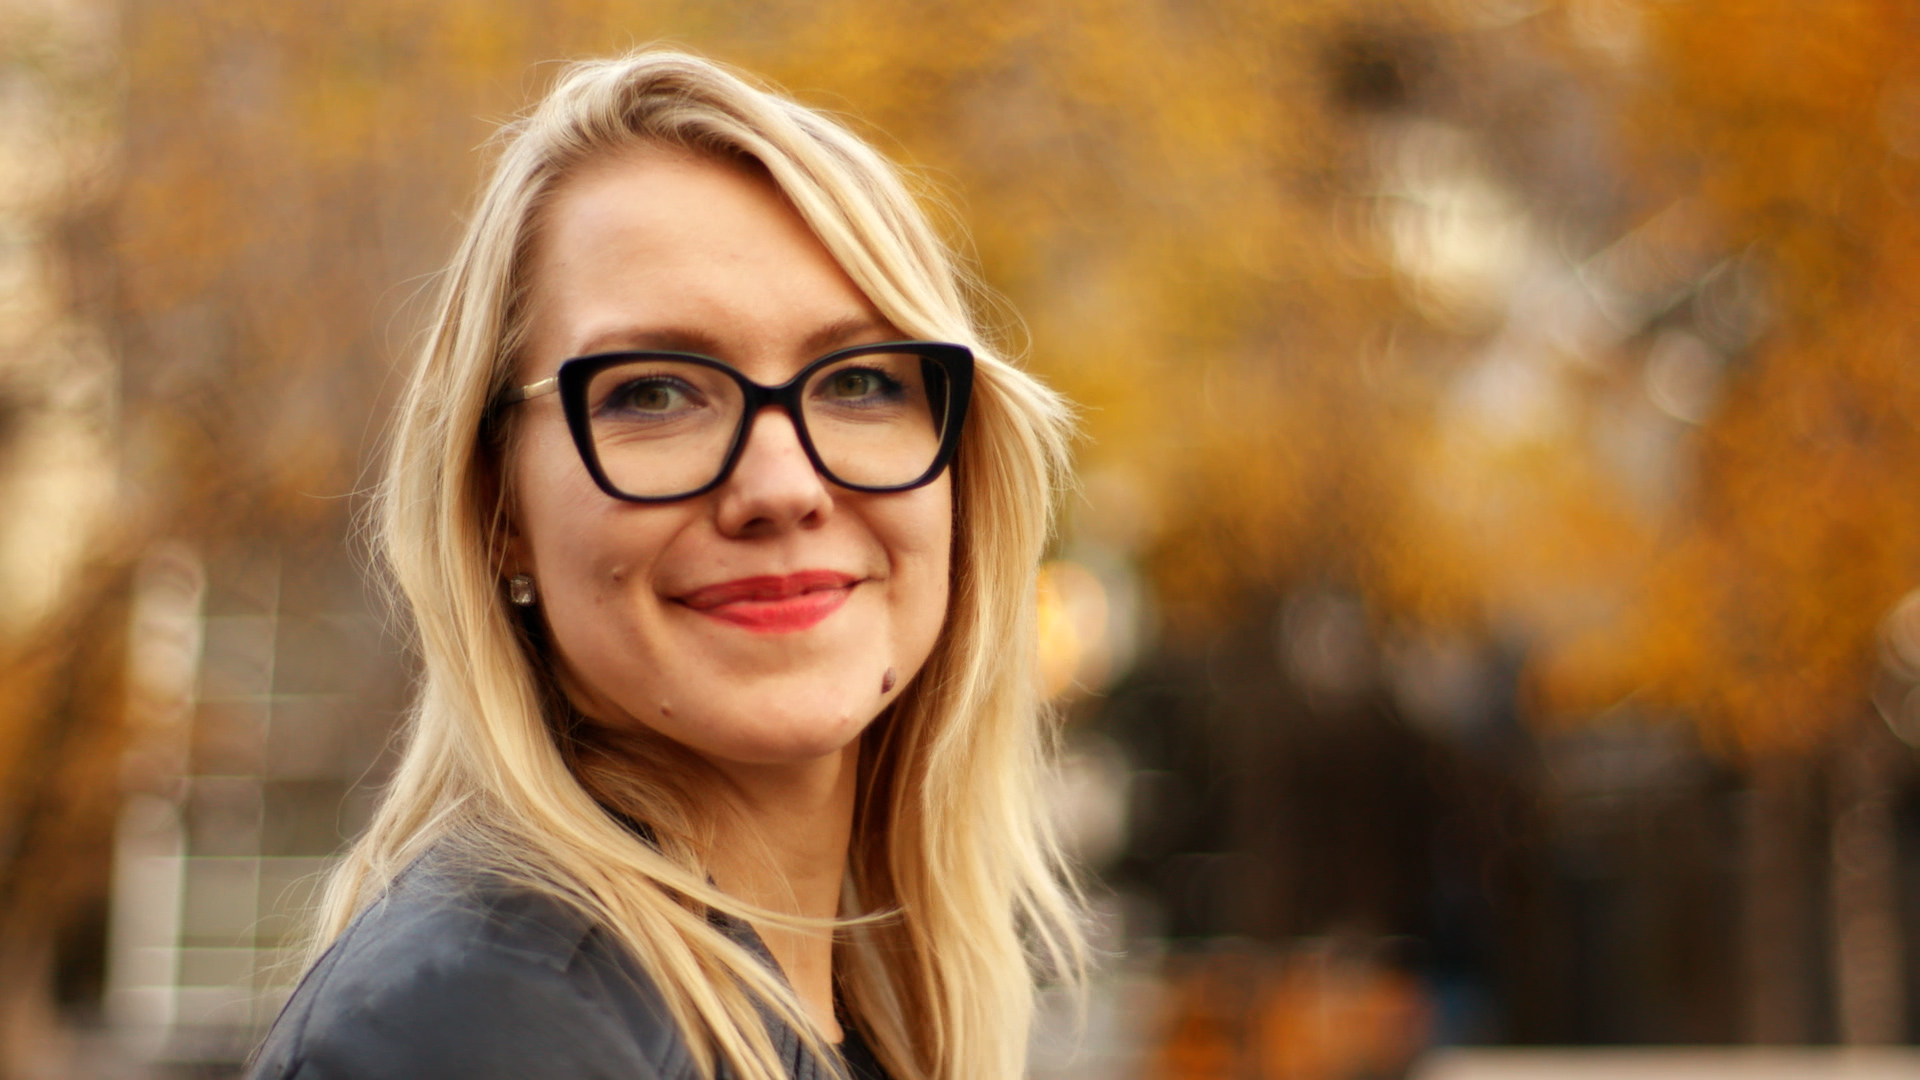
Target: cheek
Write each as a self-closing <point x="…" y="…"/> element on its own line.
<point x="919" y="537"/>
<point x="594" y="563"/>
<point x="539" y="476"/>
<point x="580" y="546"/>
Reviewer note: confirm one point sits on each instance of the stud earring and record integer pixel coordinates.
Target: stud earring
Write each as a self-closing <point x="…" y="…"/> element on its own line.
<point x="520" y="590"/>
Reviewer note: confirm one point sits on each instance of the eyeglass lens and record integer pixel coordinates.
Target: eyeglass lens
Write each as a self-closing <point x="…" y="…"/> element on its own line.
<point x="662" y="427"/>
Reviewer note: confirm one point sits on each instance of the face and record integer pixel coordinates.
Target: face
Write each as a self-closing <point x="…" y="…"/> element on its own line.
<point x="767" y="621"/>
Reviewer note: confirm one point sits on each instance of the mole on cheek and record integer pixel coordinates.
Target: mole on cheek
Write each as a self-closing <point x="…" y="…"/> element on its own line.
<point x="613" y="585"/>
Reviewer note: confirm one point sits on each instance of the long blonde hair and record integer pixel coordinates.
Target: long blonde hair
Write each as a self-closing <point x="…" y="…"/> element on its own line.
<point x="958" y="886"/>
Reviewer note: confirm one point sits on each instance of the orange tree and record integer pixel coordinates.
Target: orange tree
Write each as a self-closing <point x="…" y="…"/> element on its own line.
<point x="1796" y="129"/>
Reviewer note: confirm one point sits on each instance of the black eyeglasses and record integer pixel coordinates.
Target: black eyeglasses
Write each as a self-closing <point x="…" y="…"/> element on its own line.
<point x="659" y="426"/>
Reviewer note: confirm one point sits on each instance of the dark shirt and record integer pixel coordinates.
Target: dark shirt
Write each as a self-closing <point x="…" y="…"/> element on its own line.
<point x="451" y="976"/>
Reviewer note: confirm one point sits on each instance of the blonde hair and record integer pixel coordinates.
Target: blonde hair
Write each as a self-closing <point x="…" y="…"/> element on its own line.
<point x="952" y="860"/>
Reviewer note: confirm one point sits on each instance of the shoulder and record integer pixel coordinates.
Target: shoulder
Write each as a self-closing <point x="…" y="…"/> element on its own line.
<point x="454" y="974"/>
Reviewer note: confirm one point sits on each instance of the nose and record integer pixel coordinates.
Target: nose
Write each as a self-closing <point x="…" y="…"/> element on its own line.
<point x="774" y="486"/>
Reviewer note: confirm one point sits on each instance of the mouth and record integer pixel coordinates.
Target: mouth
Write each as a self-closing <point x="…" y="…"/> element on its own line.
<point x="774" y="604"/>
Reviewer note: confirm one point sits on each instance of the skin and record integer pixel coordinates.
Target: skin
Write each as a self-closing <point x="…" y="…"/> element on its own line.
<point x="660" y="249"/>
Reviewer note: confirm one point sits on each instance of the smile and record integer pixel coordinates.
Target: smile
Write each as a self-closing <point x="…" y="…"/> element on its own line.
<point x="774" y="605"/>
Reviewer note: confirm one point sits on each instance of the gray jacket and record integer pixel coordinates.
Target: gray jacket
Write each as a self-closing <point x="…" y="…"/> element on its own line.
<point x="448" y="976"/>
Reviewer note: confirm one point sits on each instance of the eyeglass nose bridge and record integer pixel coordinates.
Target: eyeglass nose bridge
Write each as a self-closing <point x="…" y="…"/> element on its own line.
<point x="757" y="399"/>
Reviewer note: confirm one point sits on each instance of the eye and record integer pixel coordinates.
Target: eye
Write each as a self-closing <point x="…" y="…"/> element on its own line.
<point x="651" y="396"/>
<point x="860" y="385"/>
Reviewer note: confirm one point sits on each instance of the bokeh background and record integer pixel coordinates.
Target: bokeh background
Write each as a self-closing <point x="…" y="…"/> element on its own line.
<point x="1490" y="616"/>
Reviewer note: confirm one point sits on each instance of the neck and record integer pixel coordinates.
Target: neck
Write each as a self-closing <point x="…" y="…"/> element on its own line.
<point x="785" y="849"/>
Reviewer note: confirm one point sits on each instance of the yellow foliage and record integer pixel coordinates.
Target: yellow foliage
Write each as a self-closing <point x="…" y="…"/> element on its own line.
<point x="1759" y="616"/>
<point x="1199" y="233"/>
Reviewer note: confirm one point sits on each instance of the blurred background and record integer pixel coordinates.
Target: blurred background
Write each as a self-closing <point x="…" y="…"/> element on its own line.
<point x="1490" y="617"/>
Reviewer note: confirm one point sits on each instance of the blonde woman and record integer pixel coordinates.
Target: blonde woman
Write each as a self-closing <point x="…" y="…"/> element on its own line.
<point x="718" y="524"/>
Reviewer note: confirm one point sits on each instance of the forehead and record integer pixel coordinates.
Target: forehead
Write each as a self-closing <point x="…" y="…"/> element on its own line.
<point x="658" y="248"/>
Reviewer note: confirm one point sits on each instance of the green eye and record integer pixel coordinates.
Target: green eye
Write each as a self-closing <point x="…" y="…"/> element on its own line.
<point x="649" y="396"/>
<point x="860" y="386"/>
<point x="652" y="397"/>
<point x="854" y="383"/>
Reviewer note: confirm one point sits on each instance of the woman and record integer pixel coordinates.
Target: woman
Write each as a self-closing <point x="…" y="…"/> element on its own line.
<point x="718" y="525"/>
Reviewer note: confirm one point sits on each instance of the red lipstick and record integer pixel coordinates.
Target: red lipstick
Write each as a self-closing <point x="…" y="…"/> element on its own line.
<point x="775" y="604"/>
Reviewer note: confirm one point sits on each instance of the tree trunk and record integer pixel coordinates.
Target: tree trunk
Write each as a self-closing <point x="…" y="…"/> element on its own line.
<point x="1868" y="951"/>
<point x="1778" y="903"/>
<point x="58" y="824"/>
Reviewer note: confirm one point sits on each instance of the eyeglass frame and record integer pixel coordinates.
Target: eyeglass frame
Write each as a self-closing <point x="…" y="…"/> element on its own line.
<point x="573" y="376"/>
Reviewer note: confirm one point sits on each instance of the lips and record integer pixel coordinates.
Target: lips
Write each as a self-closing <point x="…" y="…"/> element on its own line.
<point x="774" y="604"/>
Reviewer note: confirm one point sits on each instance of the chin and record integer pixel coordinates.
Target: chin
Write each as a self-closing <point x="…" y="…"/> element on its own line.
<point x="777" y="748"/>
<point x="772" y="729"/>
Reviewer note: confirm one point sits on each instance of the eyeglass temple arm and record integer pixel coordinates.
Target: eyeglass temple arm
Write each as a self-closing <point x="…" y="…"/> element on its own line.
<point x="515" y="395"/>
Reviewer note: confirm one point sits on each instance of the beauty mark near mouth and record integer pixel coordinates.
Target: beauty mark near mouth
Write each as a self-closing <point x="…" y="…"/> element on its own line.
<point x="774" y="604"/>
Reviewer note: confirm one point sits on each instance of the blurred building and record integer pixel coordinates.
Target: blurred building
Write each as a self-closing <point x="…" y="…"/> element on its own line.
<point x="1462" y="879"/>
<point x="266" y="689"/>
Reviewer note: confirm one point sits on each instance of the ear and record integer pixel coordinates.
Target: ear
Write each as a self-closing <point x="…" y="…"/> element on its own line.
<point x="514" y="557"/>
<point x="505" y="542"/>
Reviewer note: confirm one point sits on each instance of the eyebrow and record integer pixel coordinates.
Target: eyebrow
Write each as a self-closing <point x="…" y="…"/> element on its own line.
<point x="844" y="331"/>
<point x="624" y="338"/>
<point x="831" y="336"/>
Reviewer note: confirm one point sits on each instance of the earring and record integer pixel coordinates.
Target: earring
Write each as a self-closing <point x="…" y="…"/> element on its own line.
<point x="520" y="590"/>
